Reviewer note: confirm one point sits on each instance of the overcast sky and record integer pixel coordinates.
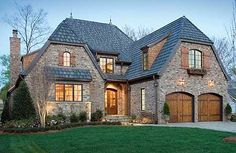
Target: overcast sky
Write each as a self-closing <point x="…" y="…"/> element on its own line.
<point x="210" y="16"/>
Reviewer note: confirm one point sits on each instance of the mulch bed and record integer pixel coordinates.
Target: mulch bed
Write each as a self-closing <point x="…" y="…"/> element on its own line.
<point x="230" y="139"/>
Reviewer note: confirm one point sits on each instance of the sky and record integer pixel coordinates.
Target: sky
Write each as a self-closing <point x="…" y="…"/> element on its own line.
<point x="210" y="16"/>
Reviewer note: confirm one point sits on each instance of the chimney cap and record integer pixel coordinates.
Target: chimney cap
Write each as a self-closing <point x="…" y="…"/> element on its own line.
<point x="14" y="31"/>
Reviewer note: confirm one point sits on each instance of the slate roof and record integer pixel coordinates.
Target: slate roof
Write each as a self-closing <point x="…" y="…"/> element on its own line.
<point x="62" y="73"/>
<point x="179" y="29"/>
<point x="98" y="36"/>
<point x="232" y="93"/>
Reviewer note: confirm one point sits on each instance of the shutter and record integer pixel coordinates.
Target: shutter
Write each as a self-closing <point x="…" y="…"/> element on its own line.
<point x="72" y="60"/>
<point x="184" y="57"/>
<point x="206" y="60"/>
<point x="60" y="59"/>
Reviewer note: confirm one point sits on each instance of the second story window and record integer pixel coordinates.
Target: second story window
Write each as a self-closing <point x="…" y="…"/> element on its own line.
<point x="66" y="59"/>
<point x="145" y="60"/>
<point x="107" y="64"/>
<point x="195" y="59"/>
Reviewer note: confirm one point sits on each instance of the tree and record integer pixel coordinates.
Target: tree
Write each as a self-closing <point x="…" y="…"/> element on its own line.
<point x="31" y="25"/>
<point x="136" y="34"/>
<point x="23" y="107"/>
<point x="5" y="69"/>
<point x="225" y="54"/>
<point x="231" y="31"/>
<point x="41" y="91"/>
<point x="5" y="112"/>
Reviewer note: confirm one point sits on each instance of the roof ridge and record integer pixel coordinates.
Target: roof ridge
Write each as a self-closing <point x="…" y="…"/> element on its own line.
<point x="91" y="21"/>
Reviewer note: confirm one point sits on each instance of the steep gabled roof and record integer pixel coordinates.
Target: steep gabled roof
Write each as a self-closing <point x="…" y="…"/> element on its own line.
<point x="175" y="31"/>
<point x="99" y="37"/>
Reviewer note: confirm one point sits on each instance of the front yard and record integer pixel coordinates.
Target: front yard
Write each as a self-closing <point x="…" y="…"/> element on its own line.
<point x="120" y="139"/>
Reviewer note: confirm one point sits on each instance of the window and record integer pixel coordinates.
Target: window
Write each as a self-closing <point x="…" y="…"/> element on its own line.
<point x="195" y="59"/>
<point x="107" y="64"/>
<point x="68" y="92"/>
<point x="145" y="61"/>
<point x="66" y="59"/>
<point x="143" y="99"/>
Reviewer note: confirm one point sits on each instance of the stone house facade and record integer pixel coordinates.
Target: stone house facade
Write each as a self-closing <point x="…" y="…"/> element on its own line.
<point x="85" y="66"/>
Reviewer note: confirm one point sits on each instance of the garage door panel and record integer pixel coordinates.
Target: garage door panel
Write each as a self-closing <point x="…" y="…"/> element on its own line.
<point x="180" y="107"/>
<point x="209" y="107"/>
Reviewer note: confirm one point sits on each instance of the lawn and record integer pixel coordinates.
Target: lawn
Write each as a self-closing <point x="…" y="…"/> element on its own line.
<point x="120" y="139"/>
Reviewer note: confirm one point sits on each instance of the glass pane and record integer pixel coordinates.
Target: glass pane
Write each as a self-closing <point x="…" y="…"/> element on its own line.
<point x="145" y="61"/>
<point x="103" y="64"/>
<point x="109" y="65"/>
<point x="142" y="99"/>
<point x="59" y="92"/>
<point x="68" y="92"/>
<point x="191" y="59"/>
<point x="77" y="93"/>
<point x="66" y="59"/>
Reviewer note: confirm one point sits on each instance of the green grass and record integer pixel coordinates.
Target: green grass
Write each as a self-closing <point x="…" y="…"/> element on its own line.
<point x="120" y="139"/>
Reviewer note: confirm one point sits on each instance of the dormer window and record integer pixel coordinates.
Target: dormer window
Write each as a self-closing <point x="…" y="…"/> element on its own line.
<point x="195" y="59"/>
<point x="107" y="64"/>
<point x="145" y="61"/>
<point x="66" y="59"/>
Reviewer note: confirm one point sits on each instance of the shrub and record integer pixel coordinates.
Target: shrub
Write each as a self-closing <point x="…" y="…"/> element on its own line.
<point x="83" y="116"/>
<point x="96" y="116"/>
<point x="55" y="119"/>
<point x="5" y="113"/>
<point x="233" y="118"/>
<point x="228" y="110"/>
<point x="24" y="123"/>
<point x="166" y="109"/>
<point x="146" y="117"/>
<point x="23" y="107"/>
<point x="74" y="118"/>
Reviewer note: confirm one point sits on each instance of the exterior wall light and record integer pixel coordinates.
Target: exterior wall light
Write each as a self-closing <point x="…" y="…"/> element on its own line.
<point x="211" y="84"/>
<point x="181" y="82"/>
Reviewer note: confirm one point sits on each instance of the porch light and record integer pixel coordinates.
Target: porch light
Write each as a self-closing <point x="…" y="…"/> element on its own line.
<point x="211" y="83"/>
<point x="181" y="82"/>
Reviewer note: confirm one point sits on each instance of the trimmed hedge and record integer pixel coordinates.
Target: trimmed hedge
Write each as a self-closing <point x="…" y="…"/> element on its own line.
<point x="56" y="127"/>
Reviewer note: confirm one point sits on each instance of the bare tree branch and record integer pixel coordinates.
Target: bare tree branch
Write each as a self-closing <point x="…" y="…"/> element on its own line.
<point x="136" y="34"/>
<point x="31" y="24"/>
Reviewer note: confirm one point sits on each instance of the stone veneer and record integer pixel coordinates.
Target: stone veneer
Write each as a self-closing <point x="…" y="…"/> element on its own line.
<point x="93" y="91"/>
<point x="195" y="85"/>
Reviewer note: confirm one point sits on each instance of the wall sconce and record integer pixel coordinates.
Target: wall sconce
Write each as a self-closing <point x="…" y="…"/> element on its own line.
<point x="211" y="84"/>
<point x="181" y="82"/>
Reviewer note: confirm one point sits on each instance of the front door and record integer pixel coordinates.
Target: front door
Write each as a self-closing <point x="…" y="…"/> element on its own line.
<point x="111" y="102"/>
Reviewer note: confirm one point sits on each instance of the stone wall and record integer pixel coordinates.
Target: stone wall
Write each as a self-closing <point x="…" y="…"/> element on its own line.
<point x="38" y="83"/>
<point x="195" y="85"/>
<point x="135" y="97"/>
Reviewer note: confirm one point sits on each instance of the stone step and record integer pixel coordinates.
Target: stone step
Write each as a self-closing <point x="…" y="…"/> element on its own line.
<point x="117" y="118"/>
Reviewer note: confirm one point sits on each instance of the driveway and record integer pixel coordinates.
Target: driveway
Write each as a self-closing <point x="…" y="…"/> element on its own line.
<point x="218" y="126"/>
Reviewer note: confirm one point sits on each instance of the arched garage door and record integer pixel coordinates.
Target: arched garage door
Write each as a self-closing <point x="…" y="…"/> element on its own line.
<point x="209" y="108"/>
<point x="181" y="107"/>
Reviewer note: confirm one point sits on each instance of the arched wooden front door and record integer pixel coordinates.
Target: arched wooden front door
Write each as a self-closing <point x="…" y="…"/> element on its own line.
<point x="209" y="108"/>
<point x="111" y="102"/>
<point x="181" y="107"/>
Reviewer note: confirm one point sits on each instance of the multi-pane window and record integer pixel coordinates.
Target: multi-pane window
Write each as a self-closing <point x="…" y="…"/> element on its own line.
<point x="66" y="59"/>
<point x="107" y="64"/>
<point x="195" y="59"/>
<point x="142" y="99"/>
<point x="68" y="92"/>
<point x="145" y="61"/>
<point x="77" y="93"/>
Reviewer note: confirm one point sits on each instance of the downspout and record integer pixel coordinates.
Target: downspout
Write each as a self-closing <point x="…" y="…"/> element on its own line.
<point x="156" y="85"/>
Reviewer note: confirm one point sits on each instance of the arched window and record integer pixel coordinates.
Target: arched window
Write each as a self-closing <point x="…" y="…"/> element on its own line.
<point x="195" y="59"/>
<point x="66" y="59"/>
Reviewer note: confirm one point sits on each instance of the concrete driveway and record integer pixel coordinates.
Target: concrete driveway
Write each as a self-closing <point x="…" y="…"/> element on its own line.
<point x="218" y="126"/>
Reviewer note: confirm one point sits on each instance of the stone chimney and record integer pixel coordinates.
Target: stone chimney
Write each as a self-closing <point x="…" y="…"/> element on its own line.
<point x="15" y="63"/>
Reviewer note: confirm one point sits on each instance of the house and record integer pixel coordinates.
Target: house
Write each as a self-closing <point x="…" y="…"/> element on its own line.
<point x="87" y="65"/>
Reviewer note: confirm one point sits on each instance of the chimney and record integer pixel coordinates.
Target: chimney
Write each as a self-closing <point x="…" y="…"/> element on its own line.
<point x="15" y="63"/>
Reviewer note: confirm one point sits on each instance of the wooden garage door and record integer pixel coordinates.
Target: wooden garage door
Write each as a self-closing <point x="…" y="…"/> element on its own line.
<point x="209" y="108"/>
<point x="181" y="107"/>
